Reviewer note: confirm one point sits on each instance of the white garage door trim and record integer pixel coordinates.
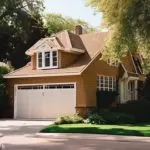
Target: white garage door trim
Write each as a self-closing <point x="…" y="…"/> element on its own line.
<point x="44" y="85"/>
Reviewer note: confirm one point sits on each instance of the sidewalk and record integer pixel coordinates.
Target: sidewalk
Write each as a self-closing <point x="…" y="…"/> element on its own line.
<point x="94" y="136"/>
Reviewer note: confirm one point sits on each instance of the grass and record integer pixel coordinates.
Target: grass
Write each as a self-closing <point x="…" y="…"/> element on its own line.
<point x="135" y="130"/>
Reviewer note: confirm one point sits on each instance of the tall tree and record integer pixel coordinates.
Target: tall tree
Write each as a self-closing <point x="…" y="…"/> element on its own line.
<point x="20" y="27"/>
<point x="129" y="25"/>
<point x="56" y="22"/>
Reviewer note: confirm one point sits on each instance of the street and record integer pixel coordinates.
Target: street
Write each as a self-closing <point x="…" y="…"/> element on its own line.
<point x="21" y="135"/>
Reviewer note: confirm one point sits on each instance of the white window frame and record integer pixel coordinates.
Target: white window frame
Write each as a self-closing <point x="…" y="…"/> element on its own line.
<point x="106" y="87"/>
<point x="113" y="63"/>
<point x="43" y="60"/>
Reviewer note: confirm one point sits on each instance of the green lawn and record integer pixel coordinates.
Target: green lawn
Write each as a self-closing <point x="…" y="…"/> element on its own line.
<point x="136" y="130"/>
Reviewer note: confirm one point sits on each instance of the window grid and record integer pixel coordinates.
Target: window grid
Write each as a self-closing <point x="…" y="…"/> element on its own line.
<point x="40" y="60"/>
<point x="36" y="87"/>
<point x="30" y="87"/>
<point x="113" y="63"/>
<point x="59" y="86"/>
<point x="47" y="60"/>
<point x="106" y="83"/>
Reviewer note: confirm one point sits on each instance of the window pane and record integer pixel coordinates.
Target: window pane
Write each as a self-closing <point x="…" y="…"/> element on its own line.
<point x="54" y="53"/>
<point x="55" y="63"/>
<point x="98" y="82"/>
<point x="40" y="55"/>
<point x="55" y="59"/>
<point x="47" y="62"/>
<point x="40" y="64"/>
<point x="47" y="59"/>
<point x="39" y="60"/>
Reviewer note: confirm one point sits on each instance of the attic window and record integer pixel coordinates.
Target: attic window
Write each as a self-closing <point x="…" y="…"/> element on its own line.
<point x="47" y="60"/>
<point x="113" y="63"/>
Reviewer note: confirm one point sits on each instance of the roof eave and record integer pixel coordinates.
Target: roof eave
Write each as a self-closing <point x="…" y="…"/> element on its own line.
<point x="41" y="75"/>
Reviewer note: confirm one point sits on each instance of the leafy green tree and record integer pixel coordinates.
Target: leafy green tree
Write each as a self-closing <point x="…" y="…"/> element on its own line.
<point x="56" y="22"/>
<point x="128" y="22"/>
<point x="4" y="69"/>
<point x="20" y="27"/>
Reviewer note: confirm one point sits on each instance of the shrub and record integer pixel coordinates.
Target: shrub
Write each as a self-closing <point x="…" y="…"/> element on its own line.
<point x="106" y="98"/>
<point x="95" y="118"/>
<point x="4" y="69"/>
<point x="75" y="119"/>
<point x="110" y="118"/>
<point x="146" y="88"/>
<point x="117" y="118"/>
<point x="140" y="109"/>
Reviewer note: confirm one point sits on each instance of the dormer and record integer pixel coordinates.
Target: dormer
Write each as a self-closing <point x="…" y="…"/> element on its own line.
<point x="58" y="51"/>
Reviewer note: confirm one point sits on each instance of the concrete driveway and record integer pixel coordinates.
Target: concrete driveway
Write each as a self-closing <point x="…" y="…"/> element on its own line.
<point x="20" y="127"/>
<point x="21" y="135"/>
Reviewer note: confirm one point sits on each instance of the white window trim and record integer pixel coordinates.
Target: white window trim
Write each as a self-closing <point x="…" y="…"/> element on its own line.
<point x="113" y="63"/>
<point x="43" y="60"/>
<point x="107" y="88"/>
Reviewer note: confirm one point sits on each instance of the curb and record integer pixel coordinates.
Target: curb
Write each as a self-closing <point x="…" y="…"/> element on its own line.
<point x="94" y="137"/>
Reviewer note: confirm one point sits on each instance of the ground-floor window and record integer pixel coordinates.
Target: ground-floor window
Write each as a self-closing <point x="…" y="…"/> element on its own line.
<point x="106" y="83"/>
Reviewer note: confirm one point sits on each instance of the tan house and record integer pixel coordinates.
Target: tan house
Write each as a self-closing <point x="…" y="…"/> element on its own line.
<point x="64" y="74"/>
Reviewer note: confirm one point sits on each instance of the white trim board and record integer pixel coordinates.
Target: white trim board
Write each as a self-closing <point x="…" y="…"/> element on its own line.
<point x="42" y="75"/>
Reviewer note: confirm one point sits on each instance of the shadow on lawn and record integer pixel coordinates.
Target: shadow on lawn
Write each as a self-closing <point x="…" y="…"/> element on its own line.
<point x="94" y="130"/>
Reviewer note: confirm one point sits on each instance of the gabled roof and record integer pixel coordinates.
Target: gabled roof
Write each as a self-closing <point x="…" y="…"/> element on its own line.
<point x="64" y="40"/>
<point x="92" y="44"/>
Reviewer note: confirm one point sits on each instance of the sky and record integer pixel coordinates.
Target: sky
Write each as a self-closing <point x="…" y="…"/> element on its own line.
<point x="73" y="8"/>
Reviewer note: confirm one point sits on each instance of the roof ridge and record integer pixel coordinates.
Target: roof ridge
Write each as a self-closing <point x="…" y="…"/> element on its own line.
<point x="68" y="38"/>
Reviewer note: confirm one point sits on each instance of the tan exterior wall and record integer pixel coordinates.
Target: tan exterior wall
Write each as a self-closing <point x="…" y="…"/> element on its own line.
<point x="98" y="67"/>
<point x="34" y="62"/>
<point x="80" y="96"/>
<point x="66" y="59"/>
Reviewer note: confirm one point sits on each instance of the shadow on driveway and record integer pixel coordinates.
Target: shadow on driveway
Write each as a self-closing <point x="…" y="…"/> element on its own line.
<point x="16" y="127"/>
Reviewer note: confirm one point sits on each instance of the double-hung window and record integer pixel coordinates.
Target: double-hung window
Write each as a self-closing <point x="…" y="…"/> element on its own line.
<point x="106" y="83"/>
<point x="47" y="60"/>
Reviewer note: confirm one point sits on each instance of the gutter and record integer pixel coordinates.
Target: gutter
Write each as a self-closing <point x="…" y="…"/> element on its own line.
<point x="41" y="75"/>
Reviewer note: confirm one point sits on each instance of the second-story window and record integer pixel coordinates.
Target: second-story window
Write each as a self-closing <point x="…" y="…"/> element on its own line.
<point x="47" y="60"/>
<point x="113" y="63"/>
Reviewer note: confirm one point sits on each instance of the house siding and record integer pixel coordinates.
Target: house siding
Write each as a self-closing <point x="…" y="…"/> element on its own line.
<point x="98" y="67"/>
<point x="80" y="93"/>
<point x="34" y="61"/>
<point x="66" y="59"/>
<point x="85" y="83"/>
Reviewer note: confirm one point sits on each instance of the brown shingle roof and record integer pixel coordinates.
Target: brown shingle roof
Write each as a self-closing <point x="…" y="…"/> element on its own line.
<point x="93" y="43"/>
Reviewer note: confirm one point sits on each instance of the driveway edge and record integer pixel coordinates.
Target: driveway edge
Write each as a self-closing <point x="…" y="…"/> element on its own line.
<point x="94" y="136"/>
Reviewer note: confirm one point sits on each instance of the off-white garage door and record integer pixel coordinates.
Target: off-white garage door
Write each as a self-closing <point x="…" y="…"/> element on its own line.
<point x="44" y="101"/>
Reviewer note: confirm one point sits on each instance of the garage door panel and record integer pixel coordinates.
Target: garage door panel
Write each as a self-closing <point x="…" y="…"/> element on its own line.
<point x="35" y="100"/>
<point x="61" y="100"/>
<point x="22" y="105"/>
<point x="45" y="101"/>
